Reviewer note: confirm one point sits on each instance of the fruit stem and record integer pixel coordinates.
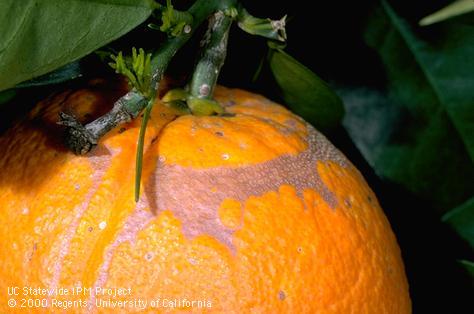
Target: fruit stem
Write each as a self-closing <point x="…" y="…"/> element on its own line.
<point x="212" y="57"/>
<point x="82" y="138"/>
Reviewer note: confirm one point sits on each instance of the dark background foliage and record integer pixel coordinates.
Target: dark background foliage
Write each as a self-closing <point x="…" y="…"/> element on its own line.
<point x="384" y="90"/>
<point x="408" y="93"/>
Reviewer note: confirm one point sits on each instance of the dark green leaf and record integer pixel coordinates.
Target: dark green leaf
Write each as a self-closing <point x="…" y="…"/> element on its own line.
<point x="420" y="132"/>
<point x="65" y="73"/>
<point x="448" y="67"/>
<point x="305" y="93"/>
<point x="37" y="37"/>
<point x="461" y="219"/>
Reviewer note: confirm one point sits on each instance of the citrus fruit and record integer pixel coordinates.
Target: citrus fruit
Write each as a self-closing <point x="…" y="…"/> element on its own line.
<point x="250" y="211"/>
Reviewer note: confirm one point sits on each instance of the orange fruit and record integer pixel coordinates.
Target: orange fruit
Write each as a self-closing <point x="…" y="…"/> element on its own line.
<point x="253" y="211"/>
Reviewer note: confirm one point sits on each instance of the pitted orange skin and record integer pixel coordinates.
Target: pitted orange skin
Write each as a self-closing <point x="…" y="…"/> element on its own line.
<point x="272" y="243"/>
<point x="257" y="133"/>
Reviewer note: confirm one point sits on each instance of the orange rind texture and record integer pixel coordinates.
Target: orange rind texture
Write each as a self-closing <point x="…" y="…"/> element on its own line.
<point x="254" y="213"/>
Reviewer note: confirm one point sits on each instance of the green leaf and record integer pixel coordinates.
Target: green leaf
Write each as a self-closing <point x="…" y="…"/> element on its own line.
<point x="304" y="92"/>
<point x="137" y="69"/>
<point x="203" y="106"/>
<point x="173" y="21"/>
<point x="461" y="219"/>
<point x="175" y="94"/>
<point x="419" y="133"/>
<point x="39" y="36"/>
<point x="451" y="10"/>
<point x="271" y="29"/>
<point x="65" y="73"/>
<point x="140" y="147"/>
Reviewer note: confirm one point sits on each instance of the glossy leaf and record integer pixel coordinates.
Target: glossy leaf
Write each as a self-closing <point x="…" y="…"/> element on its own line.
<point x="304" y="92"/>
<point x="37" y="37"/>
<point x="425" y="119"/>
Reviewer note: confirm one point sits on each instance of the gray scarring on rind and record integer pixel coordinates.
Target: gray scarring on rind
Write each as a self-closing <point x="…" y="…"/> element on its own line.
<point x="195" y="195"/>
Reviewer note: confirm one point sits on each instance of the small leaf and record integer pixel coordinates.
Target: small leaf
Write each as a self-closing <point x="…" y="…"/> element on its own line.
<point x="175" y="94"/>
<point x="137" y="69"/>
<point x="454" y="9"/>
<point x="271" y="29"/>
<point x="461" y="219"/>
<point x="140" y="147"/>
<point x="65" y="73"/>
<point x="204" y="107"/>
<point x="37" y="37"/>
<point x="305" y="93"/>
<point x="179" y="107"/>
<point x="173" y="21"/>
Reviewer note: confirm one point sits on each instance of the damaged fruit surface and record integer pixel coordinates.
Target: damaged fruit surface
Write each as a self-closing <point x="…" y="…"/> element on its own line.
<point x="254" y="211"/>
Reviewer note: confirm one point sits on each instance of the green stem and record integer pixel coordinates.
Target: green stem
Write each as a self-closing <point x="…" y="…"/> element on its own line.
<point x="213" y="56"/>
<point x="200" y="10"/>
<point x="81" y="139"/>
<point x="159" y="62"/>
